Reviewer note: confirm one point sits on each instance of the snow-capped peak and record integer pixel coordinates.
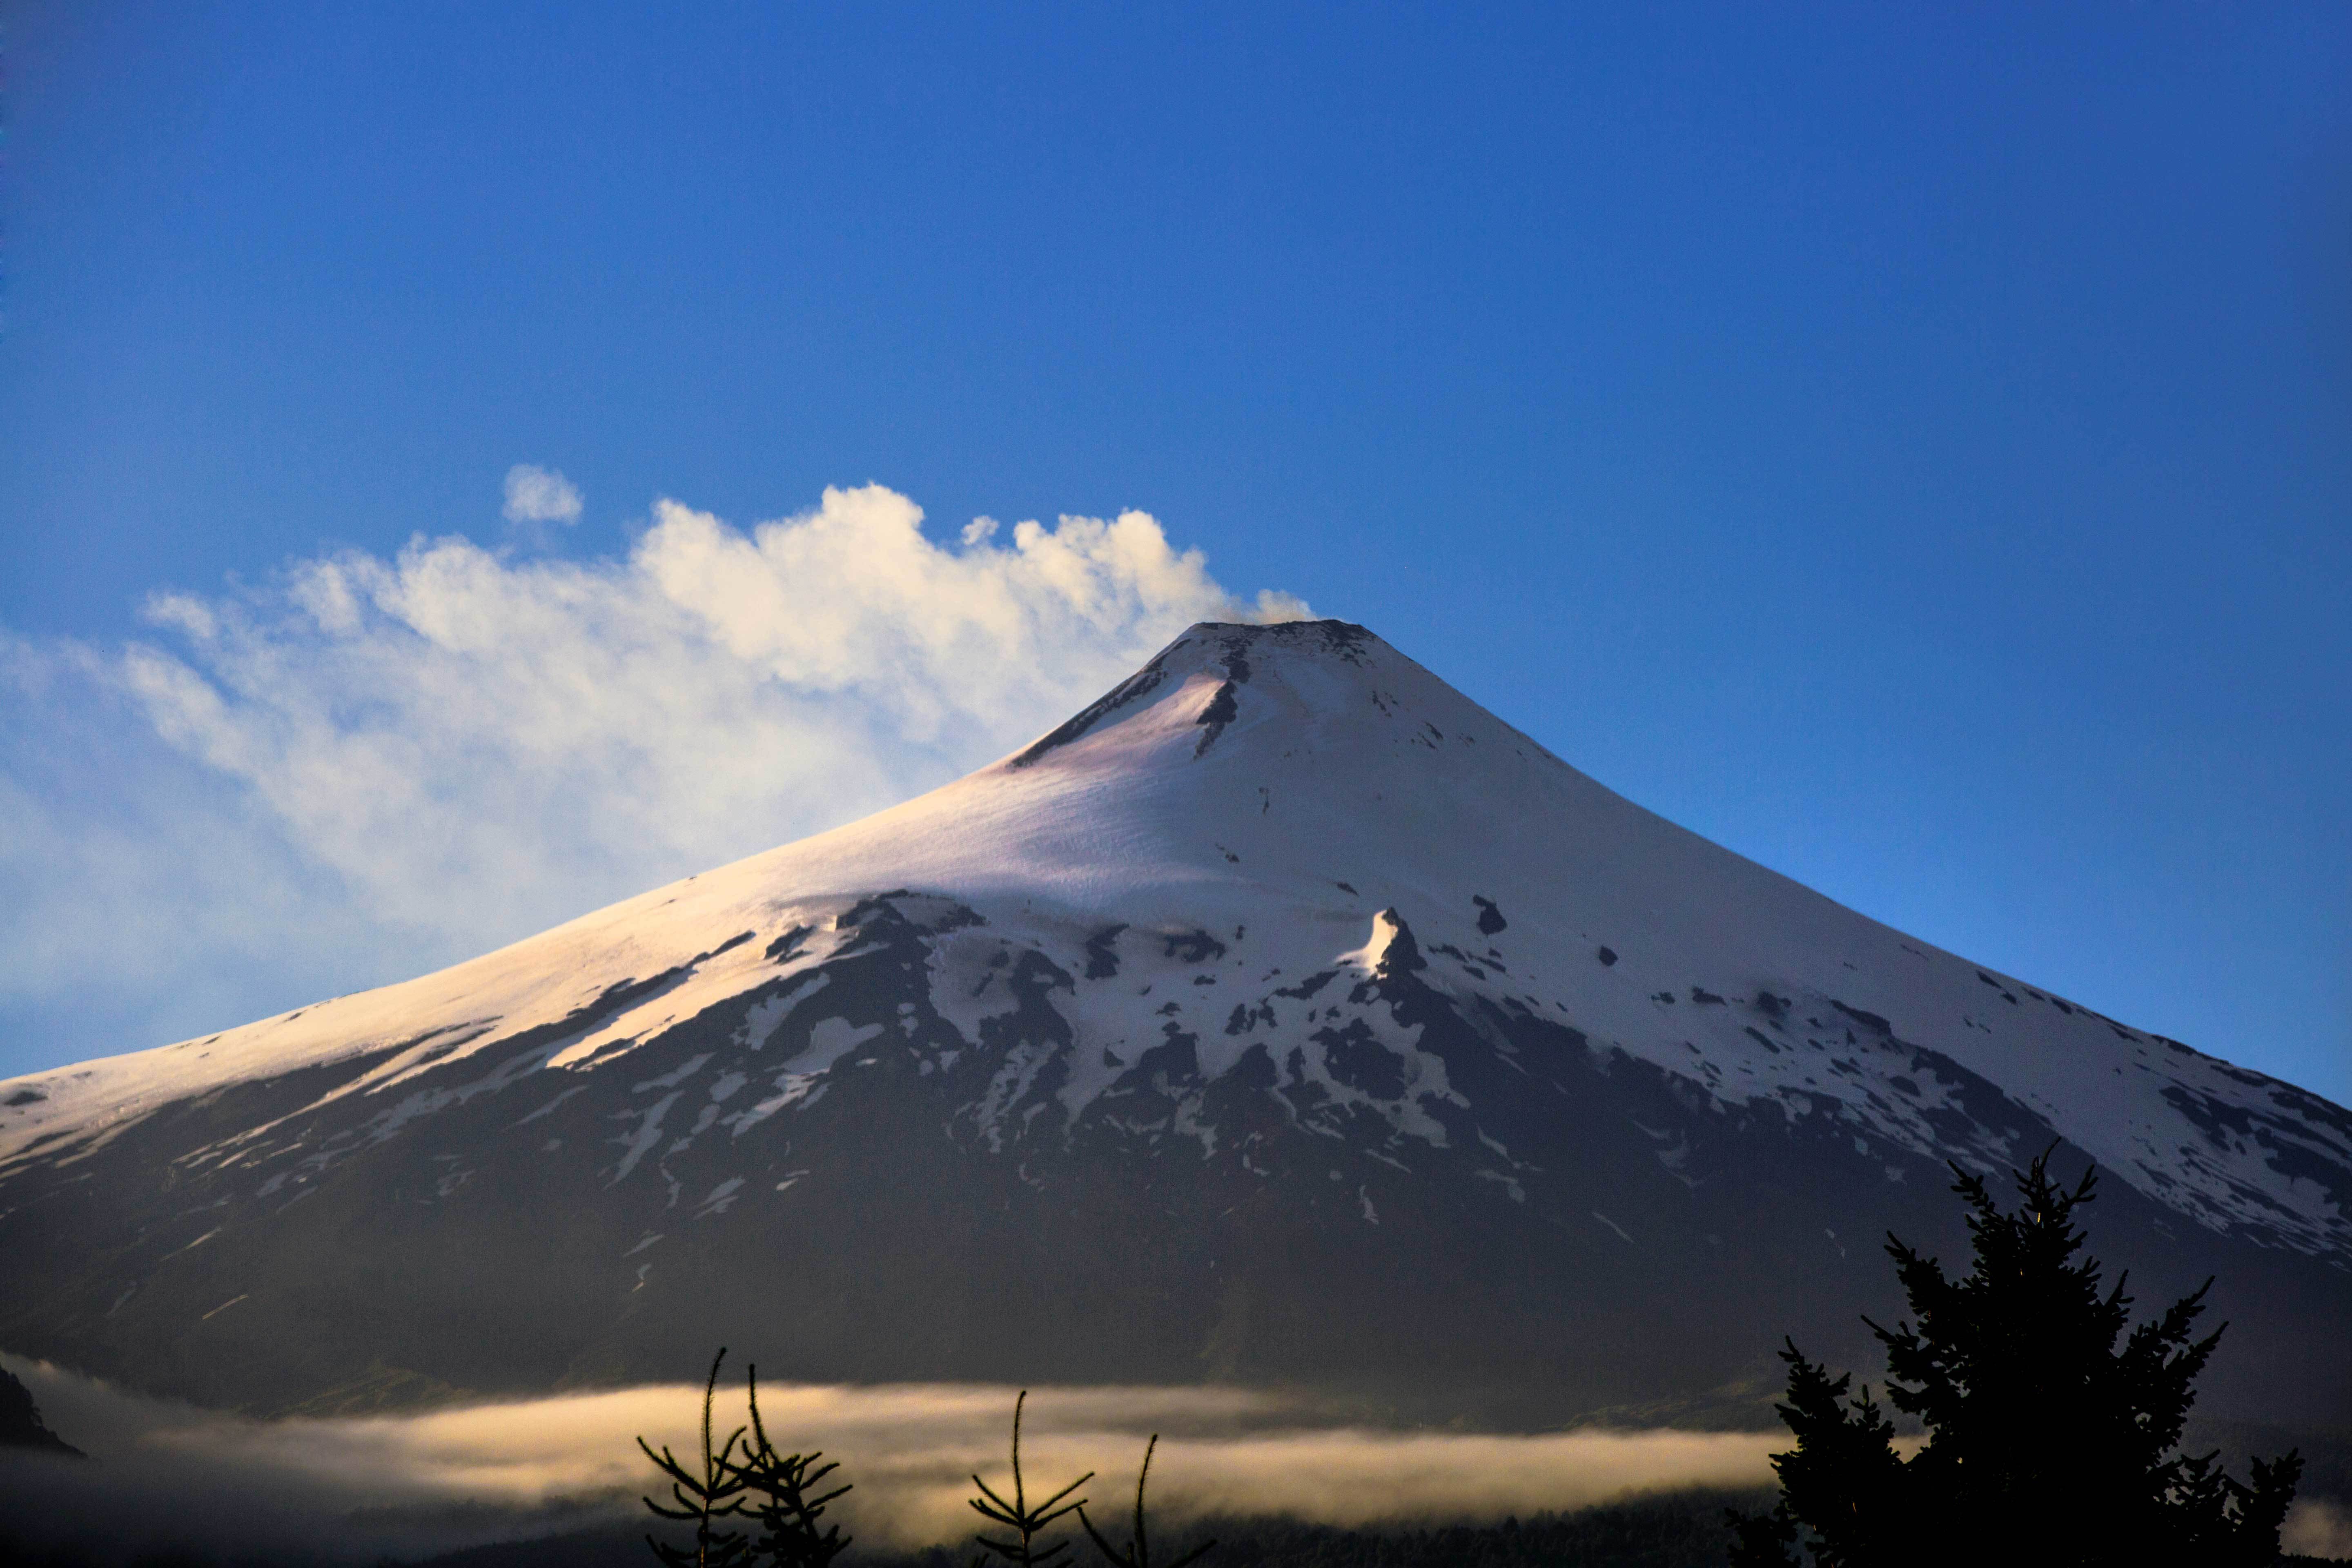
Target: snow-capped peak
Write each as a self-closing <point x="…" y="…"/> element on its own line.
<point x="1260" y="806"/>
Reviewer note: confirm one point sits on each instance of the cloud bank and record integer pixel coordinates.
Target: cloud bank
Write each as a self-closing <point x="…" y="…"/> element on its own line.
<point x="372" y="766"/>
<point x="445" y="1478"/>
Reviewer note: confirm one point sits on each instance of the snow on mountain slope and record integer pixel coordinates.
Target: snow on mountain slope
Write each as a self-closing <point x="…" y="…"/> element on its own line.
<point x="1230" y="846"/>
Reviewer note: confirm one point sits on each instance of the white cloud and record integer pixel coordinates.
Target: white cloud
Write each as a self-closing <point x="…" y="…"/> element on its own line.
<point x="373" y="766"/>
<point x="540" y="495"/>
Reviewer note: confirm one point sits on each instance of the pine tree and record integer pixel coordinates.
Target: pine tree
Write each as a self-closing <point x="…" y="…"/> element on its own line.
<point x="2047" y="1442"/>
<point x="778" y="1495"/>
<point x="1027" y="1520"/>
<point x="746" y="1478"/>
<point x="702" y="1497"/>
<point x="1136" y="1553"/>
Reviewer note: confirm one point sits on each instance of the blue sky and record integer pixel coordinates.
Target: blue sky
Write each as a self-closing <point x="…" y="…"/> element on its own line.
<point x="1912" y="447"/>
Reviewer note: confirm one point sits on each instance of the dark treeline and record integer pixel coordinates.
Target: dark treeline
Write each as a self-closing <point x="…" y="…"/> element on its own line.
<point x="1670" y="1530"/>
<point x="21" y="1426"/>
<point x="1676" y="1529"/>
<point x="1679" y="1530"/>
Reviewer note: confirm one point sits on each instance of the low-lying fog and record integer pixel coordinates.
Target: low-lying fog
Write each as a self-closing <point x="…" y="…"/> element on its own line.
<point x="357" y="1488"/>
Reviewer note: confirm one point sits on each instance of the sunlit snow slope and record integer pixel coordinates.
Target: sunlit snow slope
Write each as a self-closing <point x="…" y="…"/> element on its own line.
<point x="1281" y="900"/>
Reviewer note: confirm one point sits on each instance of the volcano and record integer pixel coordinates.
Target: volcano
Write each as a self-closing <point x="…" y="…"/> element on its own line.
<point x="1284" y="1018"/>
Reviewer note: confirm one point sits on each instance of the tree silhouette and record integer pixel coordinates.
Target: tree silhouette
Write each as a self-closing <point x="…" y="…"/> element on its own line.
<point x="2046" y="1441"/>
<point x="21" y="1425"/>
<point x="773" y="1489"/>
<point x="702" y="1497"/>
<point x="1024" y="1519"/>
<point x="1136" y="1553"/>
<point x="778" y="1488"/>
